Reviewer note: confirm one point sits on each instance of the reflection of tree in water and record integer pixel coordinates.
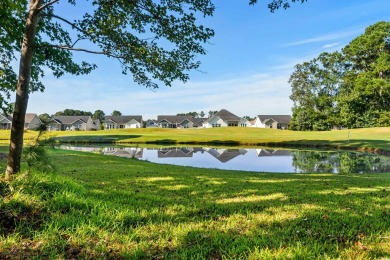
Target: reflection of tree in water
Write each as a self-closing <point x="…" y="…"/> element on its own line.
<point x="338" y="162"/>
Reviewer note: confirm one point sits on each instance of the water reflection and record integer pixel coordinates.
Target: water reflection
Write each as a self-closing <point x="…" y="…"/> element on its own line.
<point x="261" y="159"/>
<point x="225" y="155"/>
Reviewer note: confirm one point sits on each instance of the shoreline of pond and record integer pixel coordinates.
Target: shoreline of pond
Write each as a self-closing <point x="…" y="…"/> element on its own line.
<point x="285" y="145"/>
<point x="259" y="159"/>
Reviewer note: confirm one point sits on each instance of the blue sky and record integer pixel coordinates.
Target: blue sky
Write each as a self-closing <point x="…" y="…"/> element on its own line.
<point x="246" y="69"/>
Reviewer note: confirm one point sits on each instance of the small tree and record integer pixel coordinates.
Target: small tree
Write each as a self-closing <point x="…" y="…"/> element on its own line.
<point x="99" y="114"/>
<point x="116" y="113"/>
<point x="248" y="118"/>
<point x="211" y="113"/>
<point x="44" y="118"/>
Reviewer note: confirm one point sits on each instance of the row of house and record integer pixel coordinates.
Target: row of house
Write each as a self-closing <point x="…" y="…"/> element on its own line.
<point x="31" y="121"/>
<point x="223" y="118"/>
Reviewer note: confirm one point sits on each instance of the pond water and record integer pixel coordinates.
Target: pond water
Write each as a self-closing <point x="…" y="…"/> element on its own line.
<point x="248" y="159"/>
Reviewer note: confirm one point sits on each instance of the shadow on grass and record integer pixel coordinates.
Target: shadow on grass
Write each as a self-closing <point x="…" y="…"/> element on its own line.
<point x="164" y="211"/>
<point x="90" y="139"/>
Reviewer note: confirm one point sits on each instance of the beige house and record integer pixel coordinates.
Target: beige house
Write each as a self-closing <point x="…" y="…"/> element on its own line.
<point x="32" y="121"/>
<point x="71" y="123"/>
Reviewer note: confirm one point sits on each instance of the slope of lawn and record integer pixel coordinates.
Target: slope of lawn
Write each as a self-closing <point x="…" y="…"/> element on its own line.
<point x="99" y="207"/>
<point x="375" y="139"/>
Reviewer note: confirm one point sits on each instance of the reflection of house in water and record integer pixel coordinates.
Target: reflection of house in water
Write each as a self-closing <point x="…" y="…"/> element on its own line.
<point x="271" y="152"/>
<point x="82" y="149"/>
<point x="128" y="152"/>
<point x="175" y="152"/>
<point x="225" y="155"/>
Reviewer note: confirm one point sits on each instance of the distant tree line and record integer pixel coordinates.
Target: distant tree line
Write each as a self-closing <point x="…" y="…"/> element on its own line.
<point x="193" y="114"/>
<point x="196" y="114"/>
<point x="350" y="88"/>
<point x="98" y="114"/>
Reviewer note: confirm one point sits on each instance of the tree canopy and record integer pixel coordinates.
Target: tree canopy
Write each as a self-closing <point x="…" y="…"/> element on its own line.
<point x="155" y="41"/>
<point x="99" y="114"/>
<point x="350" y="88"/>
<point x="116" y="113"/>
<point x="73" y="112"/>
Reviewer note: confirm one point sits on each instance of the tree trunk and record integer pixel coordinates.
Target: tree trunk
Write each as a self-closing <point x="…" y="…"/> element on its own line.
<point x="22" y="91"/>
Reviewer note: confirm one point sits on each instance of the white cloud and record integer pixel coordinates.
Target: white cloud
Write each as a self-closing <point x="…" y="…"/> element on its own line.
<point x="327" y="37"/>
<point x="331" y="45"/>
<point x="243" y="95"/>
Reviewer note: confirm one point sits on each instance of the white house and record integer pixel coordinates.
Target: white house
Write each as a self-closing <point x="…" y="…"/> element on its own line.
<point x="115" y="122"/>
<point x="225" y="118"/>
<point x="272" y="121"/>
<point x="151" y="123"/>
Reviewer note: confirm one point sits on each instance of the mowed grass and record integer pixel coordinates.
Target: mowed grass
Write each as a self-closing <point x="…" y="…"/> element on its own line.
<point x="99" y="207"/>
<point x="374" y="139"/>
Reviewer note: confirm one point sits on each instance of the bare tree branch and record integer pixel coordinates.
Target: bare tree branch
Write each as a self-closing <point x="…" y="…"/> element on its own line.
<point x="79" y="39"/>
<point x="68" y="22"/>
<point x="70" y="48"/>
<point x="48" y="4"/>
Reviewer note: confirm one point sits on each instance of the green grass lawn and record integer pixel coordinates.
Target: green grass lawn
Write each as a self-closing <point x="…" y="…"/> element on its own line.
<point x="99" y="207"/>
<point x="375" y="139"/>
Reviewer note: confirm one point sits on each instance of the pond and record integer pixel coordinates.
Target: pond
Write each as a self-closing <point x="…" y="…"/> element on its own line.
<point x="249" y="159"/>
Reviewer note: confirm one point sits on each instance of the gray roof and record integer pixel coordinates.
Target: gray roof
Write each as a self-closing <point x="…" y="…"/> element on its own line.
<point x="271" y="152"/>
<point x="6" y="118"/>
<point x="283" y="119"/>
<point x="123" y="119"/>
<point x="227" y="154"/>
<point x="174" y="119"/>
<point x="68" y="120"/>
<point x="28" y="117"/>
<point x="198" y="121"/>
<point x="227" y="116"/>
<point x="174" y="152"/>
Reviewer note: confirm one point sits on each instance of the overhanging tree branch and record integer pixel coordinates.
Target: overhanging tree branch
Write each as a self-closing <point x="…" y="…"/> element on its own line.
<point x="71" y="48"/>
<point x="68" y="22"/>
<point x="47" y="5"/>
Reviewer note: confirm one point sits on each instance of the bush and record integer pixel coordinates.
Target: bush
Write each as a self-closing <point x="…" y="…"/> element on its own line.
<point x="36" y="155"/>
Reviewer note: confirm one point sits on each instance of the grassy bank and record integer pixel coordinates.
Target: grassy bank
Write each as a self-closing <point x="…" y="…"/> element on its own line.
<point x="374" y="139"/>
<point x="107" y="207"/>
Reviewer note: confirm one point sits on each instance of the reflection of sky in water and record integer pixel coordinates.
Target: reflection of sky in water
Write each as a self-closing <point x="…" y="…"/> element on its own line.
<point x="248" y="162"/>
<point x="258" y="160"/>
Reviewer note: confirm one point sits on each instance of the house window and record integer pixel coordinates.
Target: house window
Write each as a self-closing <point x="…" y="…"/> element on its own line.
<point x="233" y="123"/>
<point x="243" y="125"/>
<point x="216" y="125"/>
